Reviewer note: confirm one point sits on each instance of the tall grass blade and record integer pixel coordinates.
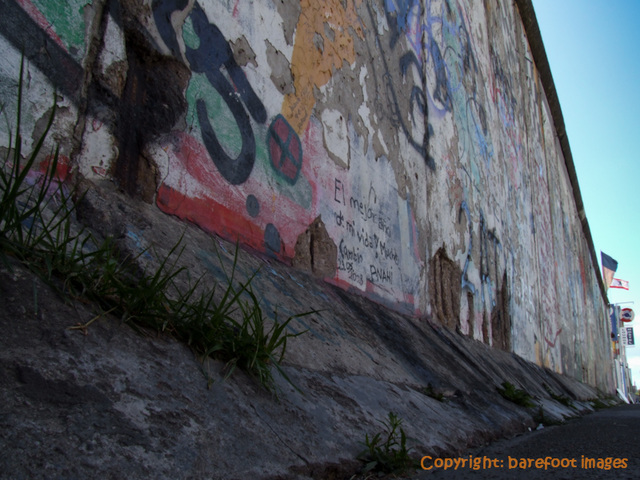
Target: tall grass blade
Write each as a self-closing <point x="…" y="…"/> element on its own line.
<point x="37" y="228"/>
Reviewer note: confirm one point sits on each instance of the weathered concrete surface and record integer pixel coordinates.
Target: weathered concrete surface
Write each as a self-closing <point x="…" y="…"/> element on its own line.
<point x="425" y="136"/>
<point x="411" y="153"/>
<point x="116" y="404"/>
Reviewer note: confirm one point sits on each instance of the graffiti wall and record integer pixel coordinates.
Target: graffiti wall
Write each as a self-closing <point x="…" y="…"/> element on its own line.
<point x="401" y="150"/>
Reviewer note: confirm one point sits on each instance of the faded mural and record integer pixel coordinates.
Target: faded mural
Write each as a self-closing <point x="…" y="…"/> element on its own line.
<point x="414" y="135"/>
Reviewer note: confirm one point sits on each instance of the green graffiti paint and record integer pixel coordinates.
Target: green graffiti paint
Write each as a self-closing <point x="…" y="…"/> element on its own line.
<point x="189" y="35"/>
<point x="221" y="118"/>
<point x="67" y="19"/>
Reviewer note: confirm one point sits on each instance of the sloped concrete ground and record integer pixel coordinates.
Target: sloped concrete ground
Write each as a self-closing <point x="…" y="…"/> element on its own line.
<point x="118" y="404"/>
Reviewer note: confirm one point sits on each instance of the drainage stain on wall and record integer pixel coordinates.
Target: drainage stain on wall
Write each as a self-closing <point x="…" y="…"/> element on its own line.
<point x="444" y="289"/>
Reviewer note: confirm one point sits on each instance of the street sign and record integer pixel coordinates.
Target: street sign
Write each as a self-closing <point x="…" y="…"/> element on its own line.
<point x="629" y="335"/>
<point x="627" y="315"/>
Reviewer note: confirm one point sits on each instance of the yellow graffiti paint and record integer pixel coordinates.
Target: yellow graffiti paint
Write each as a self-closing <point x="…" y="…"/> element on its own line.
<point x="539" y="354"/>
<point x="324" y="41"/>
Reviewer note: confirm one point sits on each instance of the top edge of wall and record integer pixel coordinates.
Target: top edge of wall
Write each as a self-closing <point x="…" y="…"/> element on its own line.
<point x="532" y="30"/>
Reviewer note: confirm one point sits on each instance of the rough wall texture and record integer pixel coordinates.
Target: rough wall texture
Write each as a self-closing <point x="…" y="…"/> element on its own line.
<point x="405" y="151"/>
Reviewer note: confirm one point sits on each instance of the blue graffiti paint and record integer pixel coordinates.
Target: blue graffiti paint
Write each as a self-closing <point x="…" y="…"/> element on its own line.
<point x="208" y="55"/>
<point x="253" y="206"/>
<point x="272" y="239"/>
<point x="465" y="283"/>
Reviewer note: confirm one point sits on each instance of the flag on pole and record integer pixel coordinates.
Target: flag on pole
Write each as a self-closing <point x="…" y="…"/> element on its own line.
<point x="609" y="267"/>
<point x="617" y="283"/>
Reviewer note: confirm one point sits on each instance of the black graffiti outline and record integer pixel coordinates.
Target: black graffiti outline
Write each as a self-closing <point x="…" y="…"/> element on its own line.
<point x="212" y="54"/>
<point x="473" y="111"/>
<point x="441" y="89"/>
<point x="64" y="72"/>
<point x="417" y="94"/>
<point x="408" y="59"/>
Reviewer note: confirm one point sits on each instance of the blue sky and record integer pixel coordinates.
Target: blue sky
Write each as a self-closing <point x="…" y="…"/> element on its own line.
<point x="593" y="47"/>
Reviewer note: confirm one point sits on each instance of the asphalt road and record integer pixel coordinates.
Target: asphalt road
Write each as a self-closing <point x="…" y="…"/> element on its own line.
<point x="602" y="445"/>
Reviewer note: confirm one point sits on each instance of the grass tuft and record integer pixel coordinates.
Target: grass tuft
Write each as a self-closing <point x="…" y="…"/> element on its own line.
<point x="386" y="451"/>
<point x="430" y="391"/>
<point x="600" y="404"/>
<point x="515" y="395"/>
<point x="563" y="399"/>
<point x="37" y="228"/>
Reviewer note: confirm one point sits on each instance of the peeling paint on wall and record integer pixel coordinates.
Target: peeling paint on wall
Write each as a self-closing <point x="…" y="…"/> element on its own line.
<point x="324" y="40"/>
<point x="404" y="151"/>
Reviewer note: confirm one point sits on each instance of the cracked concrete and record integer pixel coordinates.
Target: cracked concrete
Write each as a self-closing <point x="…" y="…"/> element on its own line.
<point x="116" y="403"/>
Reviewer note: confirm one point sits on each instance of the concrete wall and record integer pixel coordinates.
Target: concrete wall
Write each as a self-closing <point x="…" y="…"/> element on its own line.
<point x="406" y="151"/>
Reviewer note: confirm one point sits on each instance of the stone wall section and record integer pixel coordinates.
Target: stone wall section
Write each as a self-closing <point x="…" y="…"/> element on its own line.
<point x="409" y="152"/>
